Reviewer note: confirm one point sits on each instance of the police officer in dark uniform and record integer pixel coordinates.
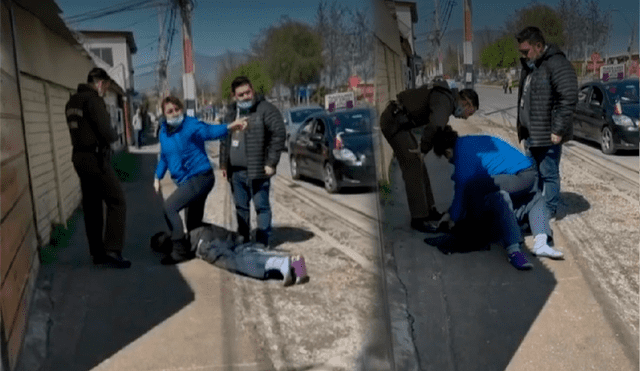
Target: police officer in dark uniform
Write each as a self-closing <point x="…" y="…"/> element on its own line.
<point x="91" y="137"/>
<point x="428" y="106"/>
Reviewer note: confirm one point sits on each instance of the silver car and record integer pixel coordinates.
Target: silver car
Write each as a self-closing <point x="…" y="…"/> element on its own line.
<point x="293" y="118"/>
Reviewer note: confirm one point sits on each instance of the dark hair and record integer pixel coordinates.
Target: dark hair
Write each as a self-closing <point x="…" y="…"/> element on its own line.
<point x="531" y="34"/>
<point x="97" y="74"/>
<point x="177" y="102"/>
<point x="239" y="81"/>
<point x="471" y="95"/>
<point x="444" y="139"/>
<point x="161" y="242"/>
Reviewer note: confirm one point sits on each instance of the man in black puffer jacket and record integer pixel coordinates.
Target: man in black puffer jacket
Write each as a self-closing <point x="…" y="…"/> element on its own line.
<point x="546" y="101"/>
<point x="249" y="159"/>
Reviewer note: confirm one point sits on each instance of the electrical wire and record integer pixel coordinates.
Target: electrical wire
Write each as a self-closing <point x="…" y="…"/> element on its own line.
<point x="89" y="16"/>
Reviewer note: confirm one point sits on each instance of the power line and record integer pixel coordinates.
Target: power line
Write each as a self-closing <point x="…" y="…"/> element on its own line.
<point x="127" y="7"/>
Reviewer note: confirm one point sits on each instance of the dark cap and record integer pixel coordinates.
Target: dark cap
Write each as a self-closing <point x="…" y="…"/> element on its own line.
<point x="98" y="74"/>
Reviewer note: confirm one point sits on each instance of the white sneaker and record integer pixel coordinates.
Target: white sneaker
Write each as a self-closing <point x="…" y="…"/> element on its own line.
<point x="546" y="251"/>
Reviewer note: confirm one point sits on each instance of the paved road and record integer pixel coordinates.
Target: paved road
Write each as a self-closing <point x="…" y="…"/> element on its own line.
<point x="501" y="108"/>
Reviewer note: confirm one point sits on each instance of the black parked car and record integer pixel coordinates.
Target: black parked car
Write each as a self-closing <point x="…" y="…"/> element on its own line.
<point x="294" y="117"/>
<point x="607" y="112"/>
<point x="336" y="148"/>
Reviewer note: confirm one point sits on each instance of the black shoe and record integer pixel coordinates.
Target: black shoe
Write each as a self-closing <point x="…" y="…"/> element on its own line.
<point x="423" y="225"/>
<point x="175" y="258"/>
<point x="112" y="260"/>
<point x="434" y="215"/>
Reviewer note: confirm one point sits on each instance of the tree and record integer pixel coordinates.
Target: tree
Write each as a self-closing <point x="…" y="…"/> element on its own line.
<point x="362" y="41"/>
<point x="293" y="53"/>
<point x="330" y="24"/>
<point x="500" y="54"/>
<point x="256" y="71"/>
<point x="542" y="16"/>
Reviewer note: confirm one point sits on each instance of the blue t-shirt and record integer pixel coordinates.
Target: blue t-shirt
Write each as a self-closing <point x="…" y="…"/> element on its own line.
<point x="482" y="156"/>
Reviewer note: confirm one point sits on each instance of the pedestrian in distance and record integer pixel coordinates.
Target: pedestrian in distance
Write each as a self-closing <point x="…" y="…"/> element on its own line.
<point x="91" y="137"/>
<point x="495" y="192"/>
<point x="428" y="107"/>
<point x="546" y="102"/>
<point x="249" y="159"/>
<point x="137" y="127"/>
<point x="229" y="251"/>
<point x="182" y="142"/>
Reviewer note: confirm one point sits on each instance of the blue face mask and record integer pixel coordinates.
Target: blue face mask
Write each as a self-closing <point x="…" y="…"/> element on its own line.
<point x="459" y="112"/>
<point x="176" y="120"/>
<point x="245" y="104"/>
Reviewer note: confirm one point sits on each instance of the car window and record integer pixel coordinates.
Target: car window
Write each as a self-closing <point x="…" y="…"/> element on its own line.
<point x="597" y="97"/>
<point x="352" y="122"/>
<point x="301" y="115"/>
<point x="625" y="92"/>
<point x="319" y="129"/>
<point x="307" y="127"/>
<point x="583" y="94"/>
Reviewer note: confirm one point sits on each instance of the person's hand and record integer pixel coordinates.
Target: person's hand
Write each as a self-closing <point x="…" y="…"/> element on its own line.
<point x="224" y="173"/>
<point x="445" y="222"/>
<point x="238" y="125"/>
<point x="156" y="185"/>
<point x="414" y="150"/>
<point x="555" y="138"/>
<point x="269" y="170"/>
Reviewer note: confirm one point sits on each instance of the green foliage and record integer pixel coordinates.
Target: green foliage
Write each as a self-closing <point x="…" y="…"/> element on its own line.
<point x="542" y="16"/>
<point x="294" y="53"/>
<point x="256" y="71"/>
<point x="503" y="53"/>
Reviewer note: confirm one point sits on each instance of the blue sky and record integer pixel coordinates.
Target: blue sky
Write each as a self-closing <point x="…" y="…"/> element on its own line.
<point x="218" y="25"/>
<point x="221" y="25"/>
<point x="493" y="14"/>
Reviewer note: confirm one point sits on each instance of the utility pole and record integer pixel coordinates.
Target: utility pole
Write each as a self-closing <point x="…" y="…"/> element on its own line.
<point x="438" y="37"/>
<point x="188" y="77"/>
<point x="467" y="46"/>
<point x="163" y="83"/>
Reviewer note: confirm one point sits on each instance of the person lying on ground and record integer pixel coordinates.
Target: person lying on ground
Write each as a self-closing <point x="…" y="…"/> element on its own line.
<point x="227" y="250"/>
<point x="495" y="190"/>
<point x="182" y="152"/>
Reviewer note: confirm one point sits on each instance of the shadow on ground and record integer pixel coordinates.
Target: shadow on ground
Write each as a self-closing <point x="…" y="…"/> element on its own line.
<point x="465" y="312"/>
<point x="93" y="312"/>
<point x="289" y="234"/>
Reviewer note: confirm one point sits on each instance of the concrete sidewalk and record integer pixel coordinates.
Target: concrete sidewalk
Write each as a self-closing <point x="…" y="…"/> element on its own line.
<point x="149" y="317"/>
<point x="474" y="311"/>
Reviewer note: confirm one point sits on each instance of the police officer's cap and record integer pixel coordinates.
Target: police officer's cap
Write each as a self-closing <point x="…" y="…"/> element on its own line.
<point x="98" y="74"/>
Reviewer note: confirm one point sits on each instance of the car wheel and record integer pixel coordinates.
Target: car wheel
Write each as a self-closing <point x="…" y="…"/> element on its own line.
<point x="606" y="141"/>
<point x="293" y="166"/>
<point x="330" y="181"/>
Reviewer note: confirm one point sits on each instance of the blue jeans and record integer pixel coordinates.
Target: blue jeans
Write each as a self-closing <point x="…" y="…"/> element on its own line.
<point x="248" y="259"/>
<point x="244" y="190"/>
<point x="548" y="162"/>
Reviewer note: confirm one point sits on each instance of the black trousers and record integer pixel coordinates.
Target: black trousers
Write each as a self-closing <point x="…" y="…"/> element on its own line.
<point x="101" y="187"/>
<point x="414" y="172"/>
<point x="190" y="195"/>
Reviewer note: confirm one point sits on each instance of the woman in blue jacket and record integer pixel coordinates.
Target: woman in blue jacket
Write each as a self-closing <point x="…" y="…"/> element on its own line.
<point x="496" y="183"/>
<point x="182" y="140"/>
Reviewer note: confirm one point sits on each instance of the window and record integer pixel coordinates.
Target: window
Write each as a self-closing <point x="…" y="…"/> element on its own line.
<point x="597" y="97"/>
<point x="106" y="54"/>
<point x="583" y="94"/>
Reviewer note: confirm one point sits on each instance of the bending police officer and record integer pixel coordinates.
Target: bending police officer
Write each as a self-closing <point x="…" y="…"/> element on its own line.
<point x="429" y="107"/>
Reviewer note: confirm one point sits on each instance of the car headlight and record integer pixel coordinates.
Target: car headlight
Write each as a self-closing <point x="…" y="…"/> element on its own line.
<point x="623" y="120"/>
<point x="345" y="154"/>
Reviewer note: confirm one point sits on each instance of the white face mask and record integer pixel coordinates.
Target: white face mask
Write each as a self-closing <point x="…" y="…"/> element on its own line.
<point x="176" y="120"/>
<point x="245" y="104"/>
